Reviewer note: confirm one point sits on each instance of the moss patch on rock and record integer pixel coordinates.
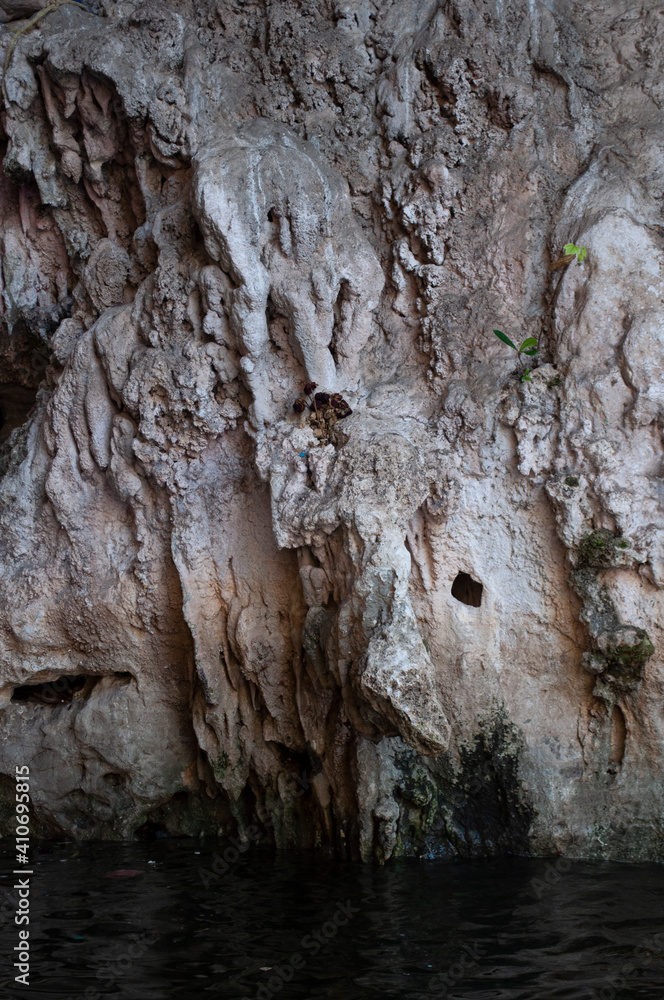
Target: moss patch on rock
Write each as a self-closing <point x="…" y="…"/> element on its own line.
<point x="477" y="809"/>
<point x="621" y="656"/>
<point x="618" y="651"/>
<point x="602" y="549"/>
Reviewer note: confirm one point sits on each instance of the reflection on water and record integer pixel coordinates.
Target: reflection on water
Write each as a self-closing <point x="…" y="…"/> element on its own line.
<point x="193" y="925"/>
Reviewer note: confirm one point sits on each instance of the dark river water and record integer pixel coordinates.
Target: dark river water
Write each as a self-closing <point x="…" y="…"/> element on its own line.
<point x="261" y="927"/>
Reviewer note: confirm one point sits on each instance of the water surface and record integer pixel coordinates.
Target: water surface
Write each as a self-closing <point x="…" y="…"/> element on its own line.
<point x="304" y="927"/>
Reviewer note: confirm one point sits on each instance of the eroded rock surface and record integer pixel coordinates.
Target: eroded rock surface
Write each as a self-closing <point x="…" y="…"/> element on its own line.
<point x="439" y="629"/>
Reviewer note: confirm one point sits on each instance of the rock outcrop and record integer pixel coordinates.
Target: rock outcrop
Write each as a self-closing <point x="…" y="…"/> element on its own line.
<point x="436" y="628"/>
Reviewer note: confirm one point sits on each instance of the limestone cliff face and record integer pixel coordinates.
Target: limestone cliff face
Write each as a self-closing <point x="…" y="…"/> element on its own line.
<point x="436" y="626"/>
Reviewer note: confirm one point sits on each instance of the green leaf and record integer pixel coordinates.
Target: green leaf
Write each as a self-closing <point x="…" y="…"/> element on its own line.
<point x="528" y="342"/>
<point x="581" y="252"/>
<point x="530" y="352"/>
<point x="526" y="376"/>
<point x="505" y="339"/>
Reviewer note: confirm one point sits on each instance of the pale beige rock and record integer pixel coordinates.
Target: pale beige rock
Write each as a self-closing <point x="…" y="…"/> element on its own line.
<point x="436" y="629"/>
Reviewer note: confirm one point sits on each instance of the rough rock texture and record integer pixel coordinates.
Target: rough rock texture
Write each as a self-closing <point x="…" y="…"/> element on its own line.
<point x="438" y="630"/>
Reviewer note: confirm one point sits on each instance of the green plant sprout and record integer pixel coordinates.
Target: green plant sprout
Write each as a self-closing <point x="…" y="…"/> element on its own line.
<point x="570" y="251"/>
<point x="528" y="347"/>
<point x="580" y="252"/>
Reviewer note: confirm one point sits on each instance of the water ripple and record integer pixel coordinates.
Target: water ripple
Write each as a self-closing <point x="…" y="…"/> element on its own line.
<point x="306" y="928"/>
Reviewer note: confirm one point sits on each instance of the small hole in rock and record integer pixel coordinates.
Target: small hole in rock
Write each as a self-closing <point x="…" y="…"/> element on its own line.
<point x="467" y="591"/>
<point x="114" y="779"/>
<point x="121" y="676"/>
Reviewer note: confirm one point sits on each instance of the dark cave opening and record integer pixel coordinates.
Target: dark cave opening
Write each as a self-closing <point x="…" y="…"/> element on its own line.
<point x="16" y="401"/>
<point x="151" y="831"/>
<point x="61" y="691"/>
<point x="57" y="692"/>
<point x="467" y="591"/>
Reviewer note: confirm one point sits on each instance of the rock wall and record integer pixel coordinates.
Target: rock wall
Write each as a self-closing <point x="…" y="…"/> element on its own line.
<point x="434" y="626"/>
